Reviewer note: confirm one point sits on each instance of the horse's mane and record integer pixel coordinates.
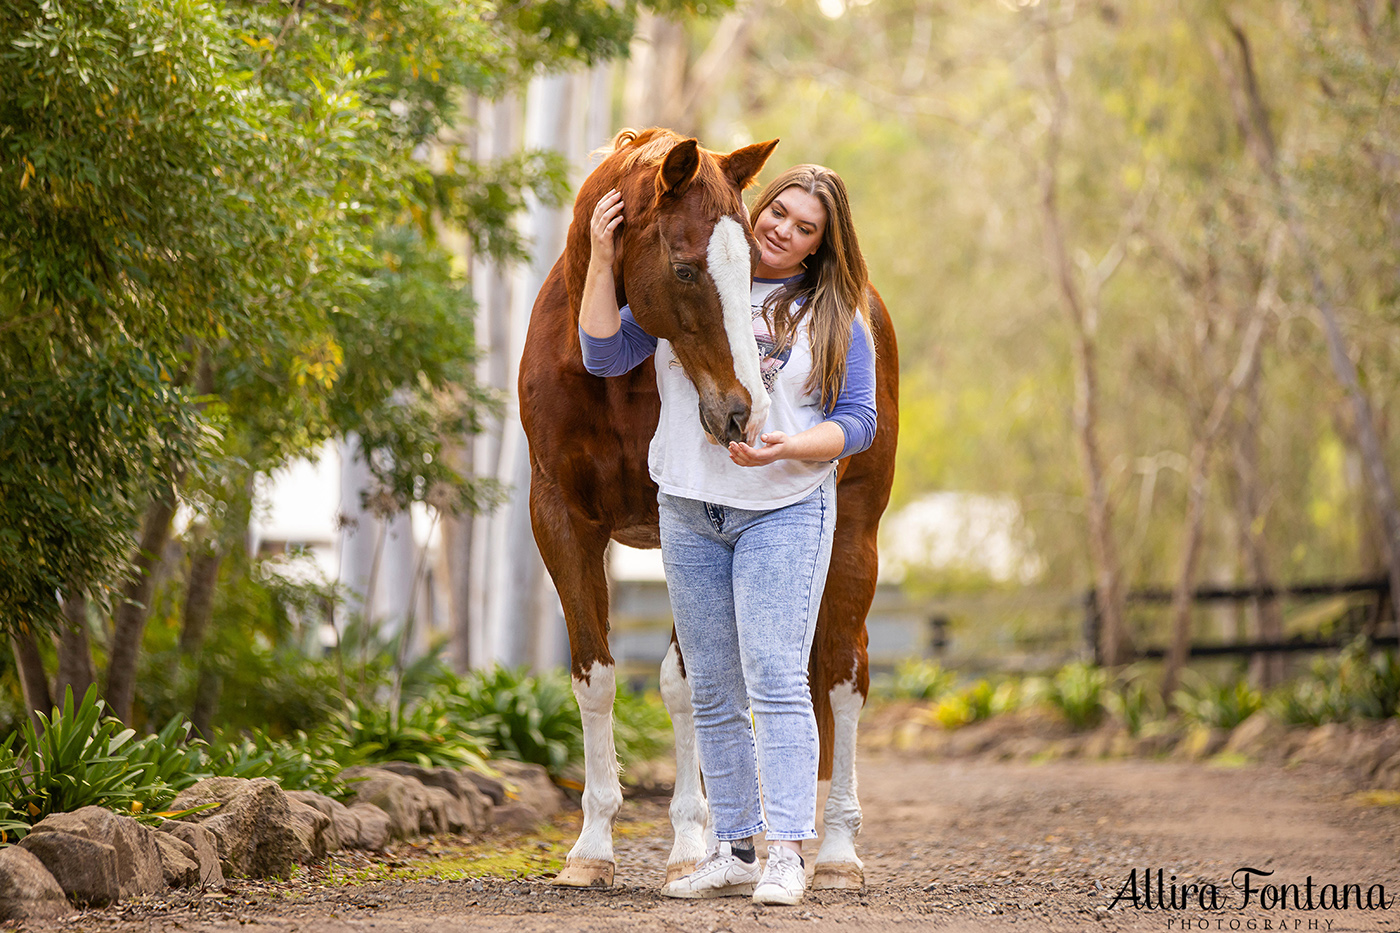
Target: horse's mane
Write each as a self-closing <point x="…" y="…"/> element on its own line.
<point x="632" y="148"/>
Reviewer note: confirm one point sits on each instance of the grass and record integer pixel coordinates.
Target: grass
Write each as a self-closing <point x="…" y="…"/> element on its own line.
<point x="499" y="856"/>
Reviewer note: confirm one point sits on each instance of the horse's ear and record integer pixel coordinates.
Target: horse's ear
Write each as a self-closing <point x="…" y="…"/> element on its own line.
<point x="679" y="170"/>
<point x="743" y="165"/>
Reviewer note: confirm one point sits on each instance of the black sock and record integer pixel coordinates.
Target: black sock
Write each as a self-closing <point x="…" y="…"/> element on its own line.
<point x="743" y="850"/>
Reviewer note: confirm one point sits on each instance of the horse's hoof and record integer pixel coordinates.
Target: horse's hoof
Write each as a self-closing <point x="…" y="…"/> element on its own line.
<point x="585" y="873"/>
<point x="838" y="876"/>
<point x="678" y="871"/>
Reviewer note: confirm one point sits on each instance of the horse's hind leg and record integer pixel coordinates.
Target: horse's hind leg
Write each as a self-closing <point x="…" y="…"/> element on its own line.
<point x="573" y="552"/>
<point x="688" y="809"/>
<point x="840" y="682"/>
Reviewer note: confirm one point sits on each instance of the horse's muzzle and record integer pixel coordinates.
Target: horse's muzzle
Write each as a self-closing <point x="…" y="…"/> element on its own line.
<point x="726" y="420"/>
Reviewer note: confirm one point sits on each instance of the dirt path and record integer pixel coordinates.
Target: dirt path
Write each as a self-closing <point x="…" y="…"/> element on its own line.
<point x="948" y="845"/>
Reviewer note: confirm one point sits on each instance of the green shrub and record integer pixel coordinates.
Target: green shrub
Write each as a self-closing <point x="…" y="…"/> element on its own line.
<point x="1356" y="684"/>
<point x="641" y="725"/>
<point x="975" y="703"/>
<point x="1222" y="706"/>
<point x="303" y="762"/>
<point x="517" y="715"/>
<point x="420" y="732"/>
<point x="1136" y="702"/>
<point x="82" y="758"/>
<point x="915" y="679"/>
<point x="535" y="718"/>
<point x="1078" y="691"/>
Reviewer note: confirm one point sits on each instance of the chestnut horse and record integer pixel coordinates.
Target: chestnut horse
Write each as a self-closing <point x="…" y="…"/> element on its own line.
<point x="685" y="261"/>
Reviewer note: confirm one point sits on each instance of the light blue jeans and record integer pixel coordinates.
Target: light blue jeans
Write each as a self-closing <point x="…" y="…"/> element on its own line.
<point x="745" y="588"/>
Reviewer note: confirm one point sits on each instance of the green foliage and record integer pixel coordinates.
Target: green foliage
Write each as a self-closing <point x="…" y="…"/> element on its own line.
<point x="641" y="725"/>
<point x="518" y="715"/>
<point x="83" y="758"/>
<point x="1078" y="691"/>
<point x="301" y="762"/>
<point x="1222" y="706"/>
<point x="914" y="679"/>
<point x="421" y="733"/>
<point x="1357" y="684"/>
<point x="1136" y="702"/>
<point x="974" y="703"/>
<point x="535" y="718"/>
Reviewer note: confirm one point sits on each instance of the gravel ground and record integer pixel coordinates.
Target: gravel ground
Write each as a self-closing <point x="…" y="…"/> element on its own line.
<point x="960" y="845"/>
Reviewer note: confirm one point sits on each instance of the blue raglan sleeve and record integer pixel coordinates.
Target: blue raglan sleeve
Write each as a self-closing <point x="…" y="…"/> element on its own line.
<point x="854" y="410"/>
<point x="620" y="353"/>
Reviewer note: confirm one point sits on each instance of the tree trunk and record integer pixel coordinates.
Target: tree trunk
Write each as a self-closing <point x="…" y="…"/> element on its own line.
<point x="75" y="668"/>
<point x="199" y="599"/>
<point x="1245" y="369"/>
<point x="1114" y="646"/>
<point x="1266" y="616"/>
<point x="134" y="608"/>
<point x="1182" y="593"/>
<point x="32" y="679"/>
<point x="1252" y="118"/>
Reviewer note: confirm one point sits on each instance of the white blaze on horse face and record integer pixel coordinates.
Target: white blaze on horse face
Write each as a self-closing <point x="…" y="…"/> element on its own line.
<point x="842" y="813"/>
<point x="729" y="263"/>
<point x="602" y="791"/>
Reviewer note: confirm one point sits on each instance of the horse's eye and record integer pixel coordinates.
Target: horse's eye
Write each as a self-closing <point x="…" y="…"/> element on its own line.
<point x="684" y="273"/>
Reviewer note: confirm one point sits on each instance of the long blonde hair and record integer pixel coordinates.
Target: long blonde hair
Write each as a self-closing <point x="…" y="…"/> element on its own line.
<point x="832" y="290"/>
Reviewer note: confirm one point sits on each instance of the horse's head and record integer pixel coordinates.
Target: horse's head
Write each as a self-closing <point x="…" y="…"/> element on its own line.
<point x="686" y="261"/>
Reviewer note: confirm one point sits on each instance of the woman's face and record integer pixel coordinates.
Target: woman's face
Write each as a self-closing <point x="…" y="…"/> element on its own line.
<point x="788" y="230"/>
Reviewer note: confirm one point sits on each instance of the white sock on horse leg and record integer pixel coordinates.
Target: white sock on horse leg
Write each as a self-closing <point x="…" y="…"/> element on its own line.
<point x="842" y="813"/>
<point x="602" y="791"/>
<point x="689" y="812"/>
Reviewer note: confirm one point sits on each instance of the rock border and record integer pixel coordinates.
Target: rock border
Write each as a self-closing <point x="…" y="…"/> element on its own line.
<point x="95" y="857"/>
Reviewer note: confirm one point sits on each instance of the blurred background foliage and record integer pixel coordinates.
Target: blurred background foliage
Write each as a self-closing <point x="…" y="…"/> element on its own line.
<point x="224" y="243"/>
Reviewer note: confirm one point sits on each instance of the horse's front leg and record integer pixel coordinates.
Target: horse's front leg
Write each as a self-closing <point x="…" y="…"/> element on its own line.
<point x="688" y="810"/>
<point x="572" y="549"/>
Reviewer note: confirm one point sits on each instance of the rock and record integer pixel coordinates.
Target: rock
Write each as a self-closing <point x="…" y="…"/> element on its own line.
<point x="477" y="802"/>
<point x="1327" y="744"/>
<point x="493" y="789"/>
<point x="314" y="831"/>
<point x="344" y="828"/>
<point x="1102" y="742"/>
<point x="530" y="785"/>
<point x="403" y="798"/>
<point x="138" y="860"/>
<point x="1371" y="747"/>
<point x="205" y="846"/>
<point x="1387" y="776"/>
<point x="374" y="826"/>
<point x="1257" y="737"/>
<point x="254" y="826"/>
<point x="177" y="861"/>
<point x="1199" y="743"/>
<point x="449" y="812"/>
<point x="27" y="890"/>
<point x="86" y="870"/>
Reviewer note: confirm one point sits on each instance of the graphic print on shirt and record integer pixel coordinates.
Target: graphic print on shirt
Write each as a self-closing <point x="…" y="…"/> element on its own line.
<point x="769" y="362"/>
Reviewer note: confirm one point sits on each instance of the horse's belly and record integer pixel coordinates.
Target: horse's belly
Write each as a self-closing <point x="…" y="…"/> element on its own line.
<point x="642" y="536"/>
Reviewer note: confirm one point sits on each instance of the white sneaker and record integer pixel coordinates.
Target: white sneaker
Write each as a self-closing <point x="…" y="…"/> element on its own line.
<point x="784" y="878"/>
<point x="719" y="874"/>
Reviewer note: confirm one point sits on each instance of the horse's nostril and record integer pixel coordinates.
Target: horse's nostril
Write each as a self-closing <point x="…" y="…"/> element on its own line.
<point x="735" y="428"/>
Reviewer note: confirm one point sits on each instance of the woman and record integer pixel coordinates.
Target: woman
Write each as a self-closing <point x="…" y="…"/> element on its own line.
<point x="746" y="532"/>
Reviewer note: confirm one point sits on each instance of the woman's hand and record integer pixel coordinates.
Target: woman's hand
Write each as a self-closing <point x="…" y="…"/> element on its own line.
<point x="774" y="442"/>
<point x="823" y="441"/>
<point x="598" y="315"/>
<point x="607" y="217"/>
